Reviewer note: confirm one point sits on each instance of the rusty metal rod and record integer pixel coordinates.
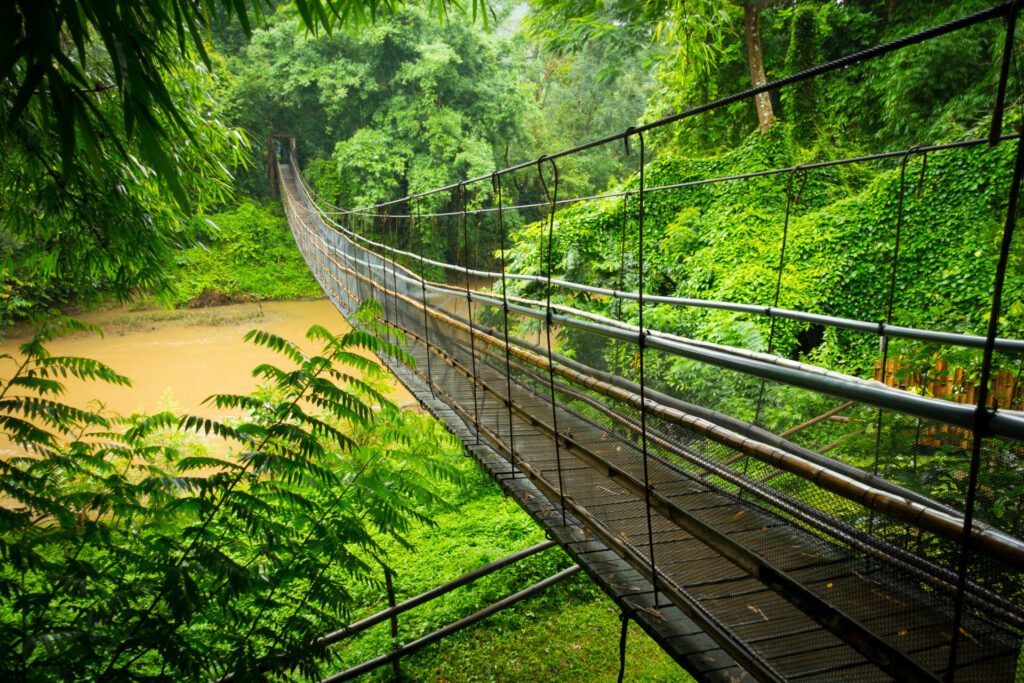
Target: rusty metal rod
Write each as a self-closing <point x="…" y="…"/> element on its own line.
<point x="990" y="541"/>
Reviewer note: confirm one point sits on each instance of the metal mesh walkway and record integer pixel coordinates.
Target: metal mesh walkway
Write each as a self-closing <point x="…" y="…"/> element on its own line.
<point x="778" y="588"/>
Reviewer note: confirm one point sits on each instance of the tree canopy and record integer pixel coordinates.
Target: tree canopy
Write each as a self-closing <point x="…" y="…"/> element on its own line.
<point x="114" y="138"/>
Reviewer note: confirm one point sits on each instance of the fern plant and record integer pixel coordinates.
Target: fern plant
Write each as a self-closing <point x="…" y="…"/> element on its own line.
<point x="127" y="556"/>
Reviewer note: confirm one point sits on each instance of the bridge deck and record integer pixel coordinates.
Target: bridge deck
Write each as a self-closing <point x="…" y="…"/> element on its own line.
<point x="720" y="616"/>
<point x="677" y="634"/>
<point x="787" y="639"/>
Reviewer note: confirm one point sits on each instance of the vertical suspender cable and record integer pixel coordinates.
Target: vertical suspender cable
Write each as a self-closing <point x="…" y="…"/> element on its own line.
<point x="890" y="304"/>
<point x="982" y="415"/>
<point x="469" y="309"/>
<point x="622" y="273"/>
<point x="383" y="290"/>
<point x="496" y="182"/>
<point x="388" y="222"/>
<point x="386" y="238"/>
<point x="622" y="646"/>
<point x="778" y="293"/>
<point x="394" y="272"/>
<point x="350" y="279"/>
<point x="423" y="293"/>
<point x="642" y="343"/>
<point x="552" y="195"/>
<point x="364" y="267"/>
<point x="622" y="256"/>
<point x="333" y="261"/>
<point x="396" y="664"/>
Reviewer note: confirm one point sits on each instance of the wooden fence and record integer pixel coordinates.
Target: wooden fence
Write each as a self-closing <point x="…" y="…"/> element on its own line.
<point x="1006" y="391"/>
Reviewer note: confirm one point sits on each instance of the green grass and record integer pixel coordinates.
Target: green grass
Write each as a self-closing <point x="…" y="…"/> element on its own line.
<point x="247" y="254"/>
<point x="569" y="632"/>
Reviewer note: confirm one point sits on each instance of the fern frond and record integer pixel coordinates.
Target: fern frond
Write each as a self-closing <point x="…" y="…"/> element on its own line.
<point x="82" y="368"/>
<point x="277" y="344"/>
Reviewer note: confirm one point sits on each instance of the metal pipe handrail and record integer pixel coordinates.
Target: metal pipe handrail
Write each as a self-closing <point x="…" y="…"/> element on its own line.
<point x="990" y="540"/>
<point x="440" y="633"/>
<point x="882" y="329"/>
<point x="406" y="605"/>
<point x="1003" y="423"/>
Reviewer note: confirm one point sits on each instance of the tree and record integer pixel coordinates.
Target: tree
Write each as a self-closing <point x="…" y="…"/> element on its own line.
<point x="755" y="57"/>
<point x="402" y="107"/>
<point x="581" y="96"/>
<point x="691" y="34"/>
<point x="801" y="98"/>
<point x="111" y="136"/>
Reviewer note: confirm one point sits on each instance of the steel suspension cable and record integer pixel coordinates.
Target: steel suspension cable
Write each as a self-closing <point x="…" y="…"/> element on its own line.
<point x="831" y="163"/>
<point x="869" y="327"/>
<point x="964" y="340"/>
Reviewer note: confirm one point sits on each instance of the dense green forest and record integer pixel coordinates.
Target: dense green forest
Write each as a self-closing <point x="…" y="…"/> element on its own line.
<point x="134" y="138"/>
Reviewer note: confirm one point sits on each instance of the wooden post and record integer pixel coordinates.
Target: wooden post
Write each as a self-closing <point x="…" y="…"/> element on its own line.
<point x="272" y="166"/>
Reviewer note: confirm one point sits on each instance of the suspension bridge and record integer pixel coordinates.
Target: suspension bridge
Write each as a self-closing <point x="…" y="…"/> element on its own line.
<point x="747" y="553"/>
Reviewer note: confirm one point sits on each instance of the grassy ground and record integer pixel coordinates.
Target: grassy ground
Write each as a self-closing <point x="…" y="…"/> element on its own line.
<point x="569" y="632"/>
<point x="244" y="254"/>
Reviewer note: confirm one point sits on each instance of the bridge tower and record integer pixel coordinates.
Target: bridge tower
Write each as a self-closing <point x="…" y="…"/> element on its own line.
<point x="279" y="150"/>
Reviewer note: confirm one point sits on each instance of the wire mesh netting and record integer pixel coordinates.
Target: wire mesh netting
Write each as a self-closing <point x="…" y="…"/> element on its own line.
<point x="811" y="521"/>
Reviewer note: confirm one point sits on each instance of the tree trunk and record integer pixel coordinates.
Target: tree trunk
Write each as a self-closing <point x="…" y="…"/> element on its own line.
<point x="763" y="102"/>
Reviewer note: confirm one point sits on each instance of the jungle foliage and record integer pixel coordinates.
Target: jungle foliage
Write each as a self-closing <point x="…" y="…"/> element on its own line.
<point x="114" y="137"/>
<point x="410" y="105"/>
<point x="132" y="548"/>
<point x="721" y="241"/>
<point x="131" y="130"/>
<point x="242" y="254"/>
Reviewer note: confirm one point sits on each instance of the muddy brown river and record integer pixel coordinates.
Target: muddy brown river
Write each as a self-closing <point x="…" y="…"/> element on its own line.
<point x="176" y="359"/>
